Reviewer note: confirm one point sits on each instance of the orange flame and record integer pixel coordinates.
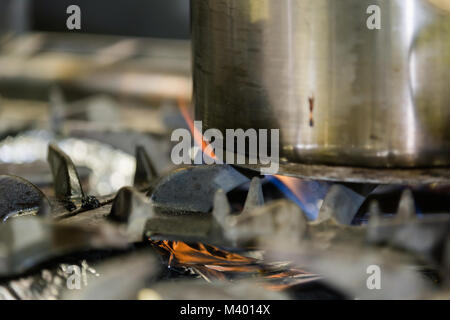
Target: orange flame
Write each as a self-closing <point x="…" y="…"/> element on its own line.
<point x="216" y="263"/>
<point x="294" y="185"/>
<point x="183" y="106"/>
<point x="183" y="253"/>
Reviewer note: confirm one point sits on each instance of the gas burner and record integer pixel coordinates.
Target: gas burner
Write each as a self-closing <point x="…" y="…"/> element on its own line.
<point x="187" y="220"/>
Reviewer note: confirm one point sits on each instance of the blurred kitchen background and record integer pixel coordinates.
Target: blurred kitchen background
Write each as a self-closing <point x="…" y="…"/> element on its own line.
<point x="150" y="18"/>
<point x="123" y="80"/>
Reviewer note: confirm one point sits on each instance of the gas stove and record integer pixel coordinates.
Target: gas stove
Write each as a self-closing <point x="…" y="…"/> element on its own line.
<point x="92" y="207"/>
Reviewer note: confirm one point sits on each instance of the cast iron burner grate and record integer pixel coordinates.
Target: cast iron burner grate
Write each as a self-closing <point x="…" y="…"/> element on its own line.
<point x="188" y="234"/>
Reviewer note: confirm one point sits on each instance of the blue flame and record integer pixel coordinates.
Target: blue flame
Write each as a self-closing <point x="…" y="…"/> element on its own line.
<point x="314" y="192"/>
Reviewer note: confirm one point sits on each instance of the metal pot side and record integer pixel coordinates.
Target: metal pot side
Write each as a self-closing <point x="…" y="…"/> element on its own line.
<point x="340" y="93"/>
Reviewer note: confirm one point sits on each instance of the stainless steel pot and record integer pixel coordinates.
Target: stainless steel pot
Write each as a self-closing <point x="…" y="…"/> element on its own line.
<point x="340" y="93"/>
